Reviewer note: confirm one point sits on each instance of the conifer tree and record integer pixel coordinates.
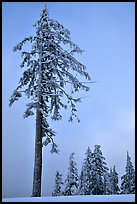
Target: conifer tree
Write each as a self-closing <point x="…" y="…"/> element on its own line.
<point x="108" y="187"/>
<point x="81" y="182"/>
<point x="115" y="180"/>
<point x="58" y="185"/>
<point x="85" y="179"/>
<point x="71" y="183"/>
<point x="98" y="169"/>
<point x="128" y="179"/>
<point x="111" y="182"/>
<point x="50" y="70"/>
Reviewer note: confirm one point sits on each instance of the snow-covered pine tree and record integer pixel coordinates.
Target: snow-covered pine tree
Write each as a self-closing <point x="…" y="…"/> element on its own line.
<point x="128" y="180"/>
<point x="115" y="180"/>
<point x="85" y="178"/>
<point x="98" y="169"/>
<point x="71" y="182"/>
<point x="50" y="68"/>
<point x="111" y="182"/>
<point x="108" y="188"/>
<point x="81" y="182"/>
<point x="58" y="185"/>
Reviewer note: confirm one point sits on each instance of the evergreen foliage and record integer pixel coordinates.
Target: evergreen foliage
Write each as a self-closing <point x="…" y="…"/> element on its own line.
<point x="108" y="188"/>
<point x="58" y="184"/>
<point x="128" y="179"/>
<point x="95" y="177"/>
<point x="115" y="180"/>
<point x="98" y="169"/>
<point x="49" y="70"/>
<point x="71" y="183"/>
<point x="85" y="186"/>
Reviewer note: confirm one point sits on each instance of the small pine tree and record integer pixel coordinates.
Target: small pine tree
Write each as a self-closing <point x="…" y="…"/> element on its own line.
<point x="128" y="180"/>
<point x="58" y="184"/>
<point x="71" y="187"/>
<point x="81" y="182"/>
<point x="85" y="179"/>
<point x="108" y="188"/>
<point x="98" y="169"/>
<point x="115" y="180"/>
<point x="111" y="182"/>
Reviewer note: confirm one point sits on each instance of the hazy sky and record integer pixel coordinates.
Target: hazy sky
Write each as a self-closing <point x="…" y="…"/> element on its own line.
<point x="106" y="32"/>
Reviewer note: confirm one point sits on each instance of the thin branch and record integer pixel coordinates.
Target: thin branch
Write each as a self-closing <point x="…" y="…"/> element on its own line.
<point x="82" y="82"/>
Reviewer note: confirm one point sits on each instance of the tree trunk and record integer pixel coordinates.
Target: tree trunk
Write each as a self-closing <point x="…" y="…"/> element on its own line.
<point x="38" y="157"/>
<point x="36" y="191"/>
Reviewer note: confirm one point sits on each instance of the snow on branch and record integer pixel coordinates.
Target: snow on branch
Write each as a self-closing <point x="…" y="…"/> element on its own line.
<point x="14" y="97"/>
<point x="49" y="70"/>
<point x="20" y="44"/>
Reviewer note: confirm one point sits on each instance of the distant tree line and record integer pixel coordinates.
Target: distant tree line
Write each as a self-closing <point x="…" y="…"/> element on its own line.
<point x="95" y="177"/>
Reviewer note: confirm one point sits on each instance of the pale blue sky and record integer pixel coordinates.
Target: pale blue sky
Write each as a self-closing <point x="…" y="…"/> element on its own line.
<point x="106" y="31"/>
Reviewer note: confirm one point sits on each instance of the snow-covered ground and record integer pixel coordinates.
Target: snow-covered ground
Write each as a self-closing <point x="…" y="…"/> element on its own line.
<point x="88" y="198"/>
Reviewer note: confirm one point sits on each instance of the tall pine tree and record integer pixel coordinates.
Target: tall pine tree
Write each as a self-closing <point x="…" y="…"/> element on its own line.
<point x="50" y="69"/>
<point x="58" y="185"/>
<point x="128" y="179"/>
<point x="71" y="182"/>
